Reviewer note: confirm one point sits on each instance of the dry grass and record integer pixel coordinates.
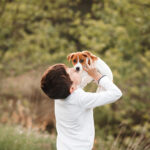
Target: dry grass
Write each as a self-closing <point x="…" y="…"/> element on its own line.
<point x="23" y="102"/>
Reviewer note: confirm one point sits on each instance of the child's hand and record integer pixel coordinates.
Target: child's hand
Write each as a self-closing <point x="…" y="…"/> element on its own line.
<point x="91" y="70"/>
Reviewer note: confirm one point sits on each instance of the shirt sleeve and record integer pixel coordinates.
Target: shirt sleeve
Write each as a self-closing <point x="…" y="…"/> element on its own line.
<point x="111" y="94"/>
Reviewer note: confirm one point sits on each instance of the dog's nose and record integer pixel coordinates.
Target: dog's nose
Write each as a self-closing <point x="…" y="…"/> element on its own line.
<point x="78" y="69"/>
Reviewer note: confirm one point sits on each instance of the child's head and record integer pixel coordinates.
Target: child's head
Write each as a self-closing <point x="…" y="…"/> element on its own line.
<point x="56" y="82"/>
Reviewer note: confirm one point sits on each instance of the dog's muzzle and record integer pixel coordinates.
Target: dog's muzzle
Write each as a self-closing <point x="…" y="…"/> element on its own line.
<point x="77" y="68"/>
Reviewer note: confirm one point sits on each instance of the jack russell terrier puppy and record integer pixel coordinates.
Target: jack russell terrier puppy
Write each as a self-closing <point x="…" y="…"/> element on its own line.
<point x="81" y="58"/>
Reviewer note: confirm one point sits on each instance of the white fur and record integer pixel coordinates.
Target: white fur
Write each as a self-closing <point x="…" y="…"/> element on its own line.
<point x="78" y="65"/>
<point x="102" y="67"/>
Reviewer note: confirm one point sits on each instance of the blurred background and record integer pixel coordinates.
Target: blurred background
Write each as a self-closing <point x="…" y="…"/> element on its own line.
<point x="36" y="34"/>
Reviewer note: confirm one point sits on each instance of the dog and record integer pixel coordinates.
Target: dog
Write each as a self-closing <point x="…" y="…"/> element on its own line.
<point x="81" y="58"/>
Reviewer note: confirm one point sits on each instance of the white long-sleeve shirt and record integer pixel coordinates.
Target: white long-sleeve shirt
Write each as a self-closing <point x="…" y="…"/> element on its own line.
<point x="74" y="116"/>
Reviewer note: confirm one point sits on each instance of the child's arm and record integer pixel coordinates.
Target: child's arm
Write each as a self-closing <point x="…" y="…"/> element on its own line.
<point x="91" y="100"/>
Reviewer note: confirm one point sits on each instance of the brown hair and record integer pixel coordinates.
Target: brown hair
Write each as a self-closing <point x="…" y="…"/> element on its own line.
<point x="56" y="82"/>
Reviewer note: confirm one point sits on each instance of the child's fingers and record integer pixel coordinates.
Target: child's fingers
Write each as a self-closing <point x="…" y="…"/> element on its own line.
<point x="92" y="65"/>
<point x="85" y="67"/>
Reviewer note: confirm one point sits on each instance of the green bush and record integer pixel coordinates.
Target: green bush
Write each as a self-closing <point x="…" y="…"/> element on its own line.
<point x="39" y="33"/>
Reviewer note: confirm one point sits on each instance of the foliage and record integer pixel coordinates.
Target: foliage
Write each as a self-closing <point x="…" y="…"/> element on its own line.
<point x="36" y="33"/>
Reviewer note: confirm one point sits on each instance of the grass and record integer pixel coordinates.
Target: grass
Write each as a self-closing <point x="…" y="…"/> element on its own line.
<point x="17" y="138"/>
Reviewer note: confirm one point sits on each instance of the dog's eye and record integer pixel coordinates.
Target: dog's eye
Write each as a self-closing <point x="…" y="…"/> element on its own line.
<point x="74" y="61"/>
<point x="81" y="60"/>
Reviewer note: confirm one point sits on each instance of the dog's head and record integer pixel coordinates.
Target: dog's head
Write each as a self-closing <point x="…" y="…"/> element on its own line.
<point x="80" y="58"/>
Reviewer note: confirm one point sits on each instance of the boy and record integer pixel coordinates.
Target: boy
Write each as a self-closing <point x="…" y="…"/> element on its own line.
<point x="74" y="106"/>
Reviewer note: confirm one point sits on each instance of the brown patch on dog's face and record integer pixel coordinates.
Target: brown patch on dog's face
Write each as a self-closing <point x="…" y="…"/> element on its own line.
<point x="90" y="55"/>
<point x="75" y="59"/>
<point x="78" y="56"/>
<point x="72" y="57"/>
<point x="81" y="57"/>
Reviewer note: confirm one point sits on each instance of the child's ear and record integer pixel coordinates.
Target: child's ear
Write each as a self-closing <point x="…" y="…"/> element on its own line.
<point x="70" y="56"/>
<point x="72" y="88"/>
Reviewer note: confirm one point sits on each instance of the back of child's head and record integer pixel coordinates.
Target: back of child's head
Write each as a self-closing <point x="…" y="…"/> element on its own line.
<point x="56" y="82"/>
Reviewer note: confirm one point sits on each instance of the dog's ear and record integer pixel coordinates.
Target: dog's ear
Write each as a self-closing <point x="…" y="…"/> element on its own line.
<point x="89" y="54"/>
<point x="70" y="56"/>
<point x="85" y="55"/>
